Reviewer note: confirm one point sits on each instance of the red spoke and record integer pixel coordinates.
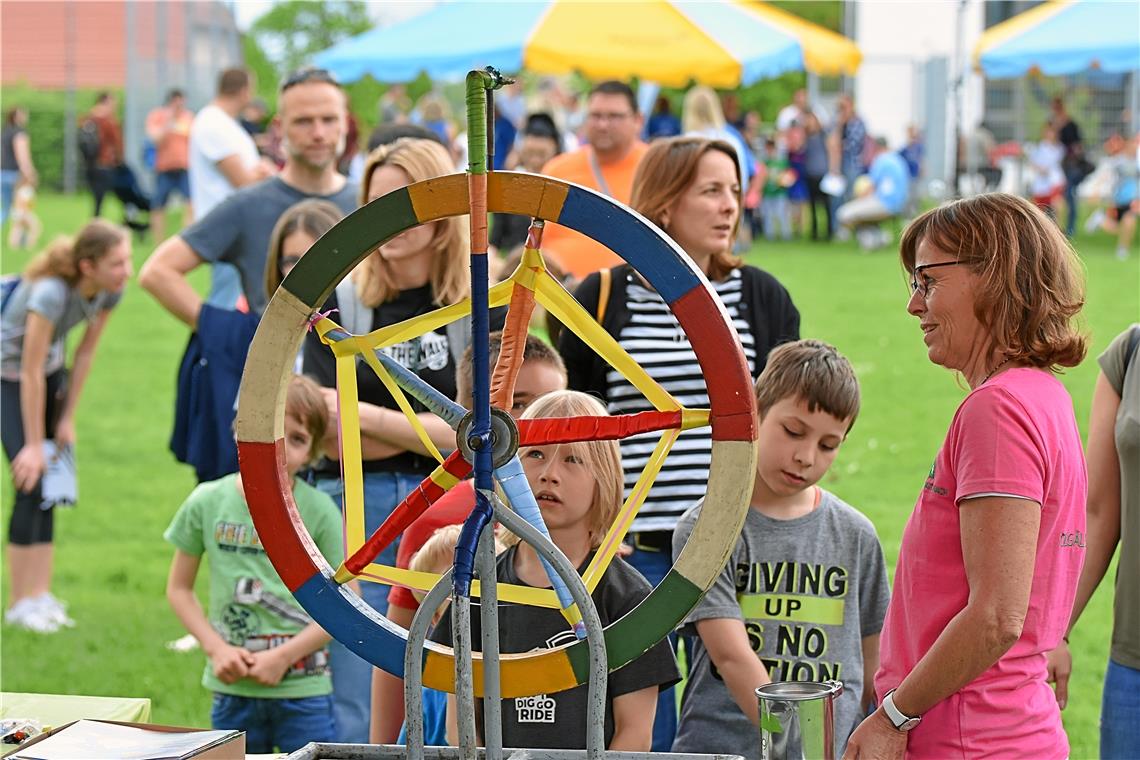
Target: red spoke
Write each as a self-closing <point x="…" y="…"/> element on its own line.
<point x="416" y="503"/>
<point x="550" y="430"/>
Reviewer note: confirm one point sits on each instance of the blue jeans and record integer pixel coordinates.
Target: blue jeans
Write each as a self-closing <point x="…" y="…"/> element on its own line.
<point x="282" y="724"/>
<point x="8" y="180"/>
<point x="655" y="565"/>
<point x="776" y="213"/>
<point x="352" y="675"/>
<point x="1120" y="713"/>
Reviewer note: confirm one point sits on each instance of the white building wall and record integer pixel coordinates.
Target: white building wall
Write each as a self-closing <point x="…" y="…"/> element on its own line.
<point x="897" y="39"/>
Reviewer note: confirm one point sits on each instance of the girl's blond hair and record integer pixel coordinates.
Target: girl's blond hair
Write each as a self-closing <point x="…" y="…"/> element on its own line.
<point x="438" y="552"/>
<point x="62" y="256"/>
<point x="450" y="278"/>
<point x="602" y="458"/>
<point x="701" y="110"/>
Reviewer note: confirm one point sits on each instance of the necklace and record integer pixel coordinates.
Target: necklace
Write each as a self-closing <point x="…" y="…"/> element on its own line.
<point x="995" y="369"/>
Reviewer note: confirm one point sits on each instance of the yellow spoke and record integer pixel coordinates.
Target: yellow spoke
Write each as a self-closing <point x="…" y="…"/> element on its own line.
<point x="562" y="305"/>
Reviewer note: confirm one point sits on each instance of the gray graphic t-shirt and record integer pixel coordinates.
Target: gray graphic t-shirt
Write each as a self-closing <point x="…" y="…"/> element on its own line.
<point x="808" y="591"/>
<point x="58" y="302"/>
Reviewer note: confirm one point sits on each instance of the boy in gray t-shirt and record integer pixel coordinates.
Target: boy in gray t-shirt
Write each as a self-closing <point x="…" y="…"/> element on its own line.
<point x="805" y="591"/>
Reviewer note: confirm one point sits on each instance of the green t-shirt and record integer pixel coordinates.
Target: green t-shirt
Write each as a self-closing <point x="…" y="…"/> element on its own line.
<point x="249" y="604"/>
<point x="777" y="165"/>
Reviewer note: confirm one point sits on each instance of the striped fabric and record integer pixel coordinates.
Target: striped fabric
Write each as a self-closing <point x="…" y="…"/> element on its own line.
<point x="656" y="341"/>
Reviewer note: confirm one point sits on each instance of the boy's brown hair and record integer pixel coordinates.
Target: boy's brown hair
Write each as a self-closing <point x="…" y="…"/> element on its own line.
<point x="304" y="403"/>
<point x="535" y="349"/>
<point x="813" y="371"/>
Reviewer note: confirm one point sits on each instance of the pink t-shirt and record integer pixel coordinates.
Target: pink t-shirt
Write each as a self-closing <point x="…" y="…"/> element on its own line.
<point x="1015" y="435"/>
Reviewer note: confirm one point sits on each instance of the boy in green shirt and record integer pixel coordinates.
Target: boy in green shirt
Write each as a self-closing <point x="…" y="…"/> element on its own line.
<point x="268" y="666"/>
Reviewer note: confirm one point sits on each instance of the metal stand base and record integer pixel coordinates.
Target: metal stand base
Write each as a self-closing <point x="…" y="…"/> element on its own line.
<point x="319" y="751"/>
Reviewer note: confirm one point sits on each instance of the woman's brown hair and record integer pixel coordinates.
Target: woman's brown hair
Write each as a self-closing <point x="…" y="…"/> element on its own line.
<point x="1032" y="284"/>
<point x="450" y="279"/>
<point x="665" y="172"/>
<point x="62" y="256"/>
<point x="313" y="217"/>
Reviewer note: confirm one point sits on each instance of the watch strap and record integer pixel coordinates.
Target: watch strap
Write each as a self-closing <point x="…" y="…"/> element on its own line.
<point x="900" y="720"/>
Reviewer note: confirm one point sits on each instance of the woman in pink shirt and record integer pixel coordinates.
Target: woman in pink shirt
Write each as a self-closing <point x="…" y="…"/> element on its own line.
<point x="990" y="557"/>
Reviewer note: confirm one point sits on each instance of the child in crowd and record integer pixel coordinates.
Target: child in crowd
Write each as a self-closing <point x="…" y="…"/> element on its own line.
<point x="579" y="490"/>
<point x="436" y="556"/>
<point x="1124" y="160"/>
<point x="75" y="281"/>
<point x="542" y="372"/>
<point x="268" y="666"/>
<point x="24" y="228"/>
<point x="1047" y="179"/>
<point x="774" y="205"/>
<point x="805" y="591"/>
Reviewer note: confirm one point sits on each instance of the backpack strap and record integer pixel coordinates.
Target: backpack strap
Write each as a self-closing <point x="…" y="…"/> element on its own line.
<point x="605" y="282"/>
<point x="458" y="338"/>
<point x="8" y="284"/>
<point x="354" y="316"/>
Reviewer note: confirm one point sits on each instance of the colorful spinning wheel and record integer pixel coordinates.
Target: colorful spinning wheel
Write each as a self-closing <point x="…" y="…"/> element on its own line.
<point x="260" y="422"/>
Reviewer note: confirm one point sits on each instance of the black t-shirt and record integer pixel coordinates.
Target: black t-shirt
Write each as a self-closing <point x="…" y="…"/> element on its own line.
<point x="558" y="721"/>
<point x="8" y="136"/>
<point x="1069" y="135"/>
<point x="430" y="356"/>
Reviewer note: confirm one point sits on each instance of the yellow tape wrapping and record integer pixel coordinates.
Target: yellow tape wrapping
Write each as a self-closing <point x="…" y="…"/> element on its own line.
<point x="349" y="444"/>
<point x="508" y="592"/>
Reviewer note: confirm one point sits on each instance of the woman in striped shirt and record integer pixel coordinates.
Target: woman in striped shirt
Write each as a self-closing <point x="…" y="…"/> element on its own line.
<point x="690" y="188"/>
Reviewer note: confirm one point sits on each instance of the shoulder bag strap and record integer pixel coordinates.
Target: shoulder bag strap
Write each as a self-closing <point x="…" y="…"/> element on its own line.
<point x="596" y="168"/>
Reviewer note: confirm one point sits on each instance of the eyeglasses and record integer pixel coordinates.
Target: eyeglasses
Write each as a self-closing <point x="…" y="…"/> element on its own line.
<point x="916" y="283"/>
<point x="598" y="116"/>
<point x="308" y="74"/>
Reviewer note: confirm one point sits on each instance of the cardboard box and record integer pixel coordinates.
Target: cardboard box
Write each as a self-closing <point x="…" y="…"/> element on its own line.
<point x="132" y="741"/>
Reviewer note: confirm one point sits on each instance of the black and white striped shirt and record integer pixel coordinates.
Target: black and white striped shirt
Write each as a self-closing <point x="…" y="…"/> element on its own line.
<point x="656" y="341"/>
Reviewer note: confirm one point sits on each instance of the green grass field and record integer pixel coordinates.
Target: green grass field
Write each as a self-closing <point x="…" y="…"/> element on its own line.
<point x="112" y="561"/>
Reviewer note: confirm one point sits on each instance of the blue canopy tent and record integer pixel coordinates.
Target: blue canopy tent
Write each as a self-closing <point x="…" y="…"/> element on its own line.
<point x="1064" y="37"/>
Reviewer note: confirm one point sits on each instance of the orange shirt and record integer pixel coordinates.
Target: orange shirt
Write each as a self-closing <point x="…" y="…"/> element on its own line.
<point x="577" y="254"/>
<point x="172" y="150"/>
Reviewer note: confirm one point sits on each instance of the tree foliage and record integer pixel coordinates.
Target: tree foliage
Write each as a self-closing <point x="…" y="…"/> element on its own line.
<point x="291" y="33"/>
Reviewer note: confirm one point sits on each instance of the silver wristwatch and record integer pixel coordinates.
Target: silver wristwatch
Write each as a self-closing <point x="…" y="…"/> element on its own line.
<point x="900" y="721"/>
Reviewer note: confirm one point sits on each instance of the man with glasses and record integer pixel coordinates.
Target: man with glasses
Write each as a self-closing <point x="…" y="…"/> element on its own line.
<point x="606" y="163"/>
